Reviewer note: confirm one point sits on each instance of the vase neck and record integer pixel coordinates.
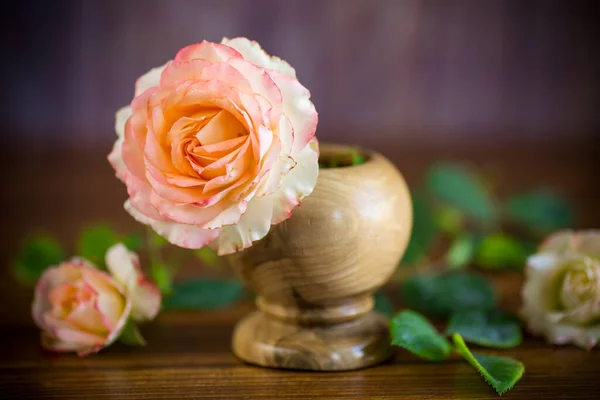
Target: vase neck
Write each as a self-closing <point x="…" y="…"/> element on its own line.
<point x="306" y="314"/>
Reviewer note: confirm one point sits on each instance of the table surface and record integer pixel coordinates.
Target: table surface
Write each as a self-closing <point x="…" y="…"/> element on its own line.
<point x="188" y="353"/>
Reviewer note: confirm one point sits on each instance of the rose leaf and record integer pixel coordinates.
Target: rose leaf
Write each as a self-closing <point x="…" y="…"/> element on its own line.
<point x="499" y="372"/>
<point x="442" y="295"/>
<point x="131" y="336"/>
<point x="491" y="328"/>
<point x="94" y="241"/>
<point x="204" y="294"/>
<point x="500" y="251"/>
<point x="541" y="211"/>
<point x="162" y="276"/>
<point x="383" y="304"/>
<point x="423" y="232"/>
<point x="38" y="253"/>
<point x="208" y="256"/>
<point x="411" y="331"/>
<point x="133" y="241"/>
<point x="459" y="187"/>
<point x="461" y="251"/>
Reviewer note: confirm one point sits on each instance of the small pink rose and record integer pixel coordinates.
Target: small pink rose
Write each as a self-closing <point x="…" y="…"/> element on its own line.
<point x="82" y="309"/>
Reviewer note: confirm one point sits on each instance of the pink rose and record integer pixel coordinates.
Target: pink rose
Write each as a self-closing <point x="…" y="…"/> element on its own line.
<point x="217" y="145"/>
<point x="82" y="309"/>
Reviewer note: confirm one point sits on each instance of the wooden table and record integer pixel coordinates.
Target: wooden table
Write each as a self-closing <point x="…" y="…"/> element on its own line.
<point x="188" y="353"/>
<point x="188" y="356"/>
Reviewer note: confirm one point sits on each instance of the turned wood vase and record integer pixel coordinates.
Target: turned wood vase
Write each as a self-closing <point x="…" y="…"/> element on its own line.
<point x="315" y="273"/>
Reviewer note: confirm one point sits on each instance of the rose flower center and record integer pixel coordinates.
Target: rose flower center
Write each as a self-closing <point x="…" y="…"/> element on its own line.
<point x="205" y="141"/>
<point x="66" y="297"/>
<point x="580" y="284"/>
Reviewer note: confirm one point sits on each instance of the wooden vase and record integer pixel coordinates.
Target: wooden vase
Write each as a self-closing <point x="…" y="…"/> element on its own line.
<point x="315" y="273"/>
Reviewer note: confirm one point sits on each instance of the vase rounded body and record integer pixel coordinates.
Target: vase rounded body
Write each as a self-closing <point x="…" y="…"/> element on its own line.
<point x="316" y="272"/>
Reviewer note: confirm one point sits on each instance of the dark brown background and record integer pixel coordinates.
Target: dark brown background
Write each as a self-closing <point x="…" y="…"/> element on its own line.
<point x="511" y="86"/>
<point x="380" y="71"/>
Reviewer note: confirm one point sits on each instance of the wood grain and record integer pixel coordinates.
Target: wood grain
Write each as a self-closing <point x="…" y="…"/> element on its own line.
<point x="189" y="356"/>
<point x="315" y="273"/>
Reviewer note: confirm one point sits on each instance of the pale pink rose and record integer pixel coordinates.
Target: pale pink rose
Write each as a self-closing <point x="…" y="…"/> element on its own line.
<point x="561" y="294"/>
<point x="82" y="309"/>
<point x="124" y="266"/>
<point x="217" y="145"/>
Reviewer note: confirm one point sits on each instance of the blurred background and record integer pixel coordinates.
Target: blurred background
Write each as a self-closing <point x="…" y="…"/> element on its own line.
<point x="380" y="71"/>
<point x="509" y="86"/>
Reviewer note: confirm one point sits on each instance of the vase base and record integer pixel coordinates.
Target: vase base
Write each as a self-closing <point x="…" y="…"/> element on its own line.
<point x="268" y="342"/>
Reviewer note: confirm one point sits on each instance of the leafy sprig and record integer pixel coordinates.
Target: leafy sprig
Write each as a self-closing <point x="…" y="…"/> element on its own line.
<point x="469" y="303"/>
<point x="442" y="295"/>
<point x="42" y="251"/>
<point x="411" y="331"/>
<point x="501" y="373"/>
<point x="458" y="206"/>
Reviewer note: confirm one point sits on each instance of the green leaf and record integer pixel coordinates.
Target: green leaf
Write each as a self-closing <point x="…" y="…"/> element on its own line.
<point x="133" y="241"/>
<point x="486" y="328"/>
<point x="155" y="241"/>
<point x="499" y="251"/>
<point x="351" y="158"/>
<point x="541" y="211"/>
<point x="357" y="157"/>
<point x="411" y="331"/>
<point x="94" y="241"/>
<point x="131" y="336"/>
<point x="208" y="256"/>
<point x="423" y="232"/>
<point x="38" y="253"/>
<point x="383" y="304"/>
<point x="445" y="294"/>
<point x="162" y="276"/>
<point x="459" y="187"/>
<point x="499" y="372"/>
<point x="204" y="294"/>
<point x="461" y="251"/>
<point x="449" y="219"/>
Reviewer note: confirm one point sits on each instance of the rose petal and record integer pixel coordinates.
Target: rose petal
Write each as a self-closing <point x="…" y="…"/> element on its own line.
<point x="71" y="335"/>
<point x="52" y="343"/>
<point x="120" y="323"/>
<point x="585" y="337"/>
<point x="149" y="79"/>
<point x="121" y="118"/>
<point x="588" y="243"/>
<point x="557" y="242"/>
<point x="167" y="191"/>
<point x="298" y="183"/>
<point x="220" y="128"/>
<point x="187" y="236"/>
<point x="145" y="300"/>
<point x="205" y="70"/>
<point x="123" y="265"/>
<point x="110" y="300"/>
<point x="252" y="52"/>
<point x="139" y="196"/>
<point x="87" y="318"/>
<point x="261" y="84"/>
<point x="298" y="108"/>
<point x="134" y="141"/>
<point x="209" y="51"/>
<point x="252" y="226"/>
<point x="285" y="132"/>
<point x="68" y="271"/>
